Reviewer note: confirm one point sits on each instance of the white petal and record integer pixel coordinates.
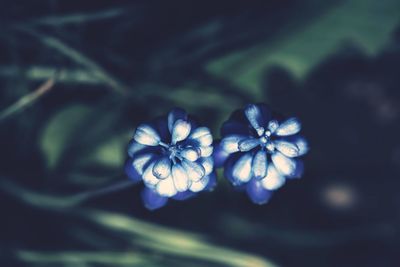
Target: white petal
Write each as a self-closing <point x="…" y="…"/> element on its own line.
<point x="302" y="144"/>
<point x="242" y="168"/>
<point x="190" y="153"/>
<point x="288" y="127"/>
<point x="260" y="164"/>
<point x="194" y="170"/>
<point x="180" y="131"/>
<point x="162" y="168"/>
<point x="208" y="164"/>
<point x="283" y="164"/>
<point x="181" y="181"/>
<point x="206" y="151"/>
<point x="202" y="135"/>
<point x="135" y="147"/>
<point x="273" y="180"/>
<point x="140" y="161"/>
<point x="255" y="117"/>
<point x="146" y="135"/>
<point x="200" y="185"/>
<point x="248" y="144"/>
<point x="148" y="177"/>
<point x="273" y="125"/>
<point x="286" y="148"/>
<point x="174" y="115"/>
<point x="230" y="143"/>
<point x="166" y="187"/>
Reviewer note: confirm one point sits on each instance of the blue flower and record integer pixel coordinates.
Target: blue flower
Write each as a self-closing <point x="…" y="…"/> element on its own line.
<point x="259" y="152"/>
<point x="173" y="158"/>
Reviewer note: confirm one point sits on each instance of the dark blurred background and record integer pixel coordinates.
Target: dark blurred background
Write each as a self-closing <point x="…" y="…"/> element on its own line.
<point x="78" y="76"/>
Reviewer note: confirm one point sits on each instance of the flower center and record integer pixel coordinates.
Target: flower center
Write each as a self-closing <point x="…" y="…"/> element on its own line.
<point x="265" y="137"/>
<point x="267" y="143"/>
<point x="263" y="140"/>
<point x="172" y="151"/>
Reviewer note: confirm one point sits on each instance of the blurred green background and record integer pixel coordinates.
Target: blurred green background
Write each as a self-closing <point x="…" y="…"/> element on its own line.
<point x="77" y="77"/>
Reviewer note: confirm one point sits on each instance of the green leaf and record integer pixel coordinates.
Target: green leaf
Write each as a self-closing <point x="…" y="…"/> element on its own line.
<point x="365" y="23"/>
<point x="55" y="137"/>
<point x="110" y="153"/>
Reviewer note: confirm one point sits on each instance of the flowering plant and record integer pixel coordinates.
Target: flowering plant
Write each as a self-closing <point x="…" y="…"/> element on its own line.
<point x="258" y="152"/>
<point x="173" y="157"/>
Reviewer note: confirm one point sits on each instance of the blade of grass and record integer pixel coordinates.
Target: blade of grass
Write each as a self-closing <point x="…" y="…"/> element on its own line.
<point x="209" y="253"/>
<point x="162" y="239"/>
<point x="78" y="18"/>
<point x="175" y="242"/>
<point x="244" y="230"/>
<point x="27" y="100"/>
<point x="180" y="239"/>
<point x="78" y="58"/>
<point x="40" y="73"/>
<point x="78" y="257"/>
<point x="56" y="202"/>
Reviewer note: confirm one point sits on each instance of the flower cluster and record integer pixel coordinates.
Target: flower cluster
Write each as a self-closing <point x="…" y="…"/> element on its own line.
<point x="260" y="152"/>
<point x="173" y="157"/>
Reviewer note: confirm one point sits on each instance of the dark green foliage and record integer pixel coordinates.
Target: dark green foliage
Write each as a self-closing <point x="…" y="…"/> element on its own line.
<point x="335" y="64"/>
